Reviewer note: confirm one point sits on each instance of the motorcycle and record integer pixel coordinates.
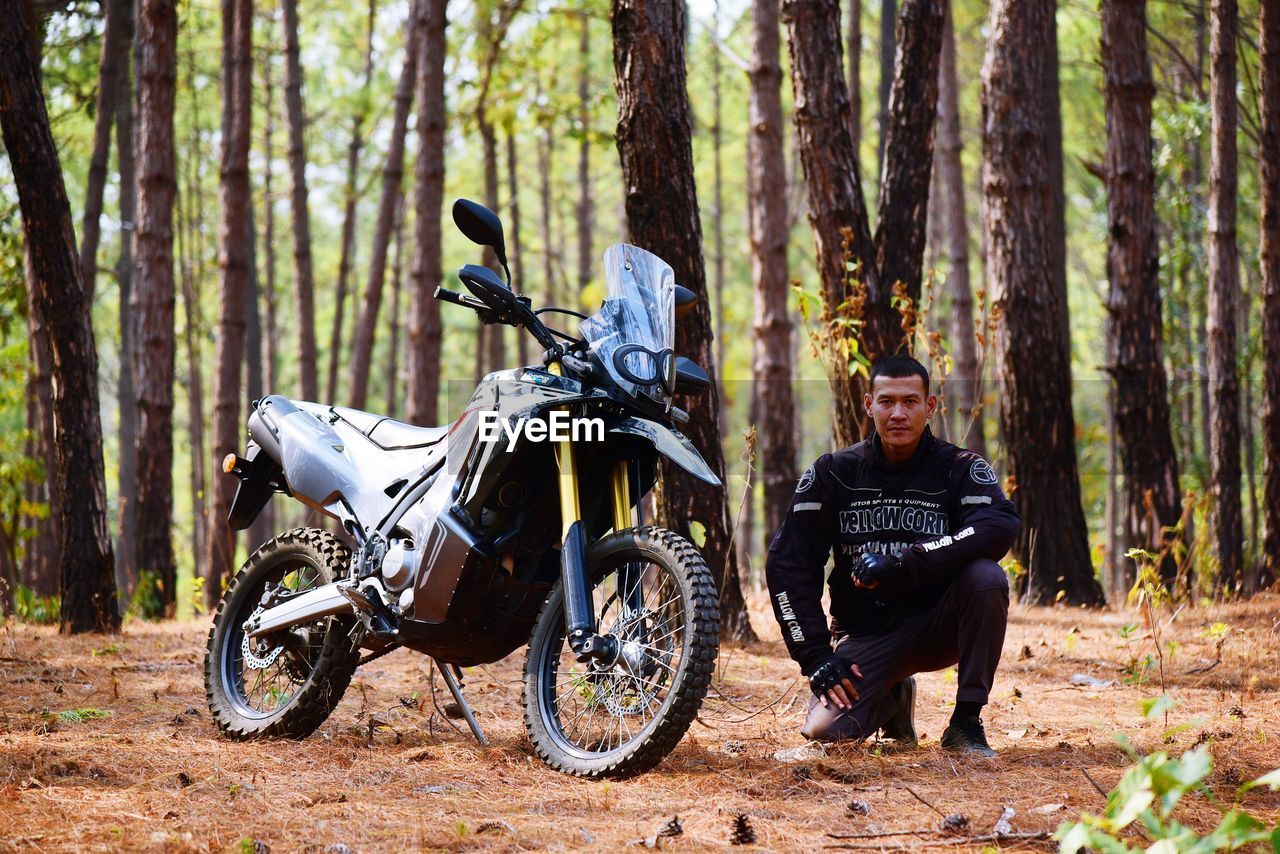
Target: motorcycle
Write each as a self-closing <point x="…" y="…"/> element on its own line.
<point x="465" y="547"/>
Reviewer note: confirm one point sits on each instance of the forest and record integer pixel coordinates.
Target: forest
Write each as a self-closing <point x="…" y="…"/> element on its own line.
<point x="1146" y="421"/>
<point x="1069" y="211"/>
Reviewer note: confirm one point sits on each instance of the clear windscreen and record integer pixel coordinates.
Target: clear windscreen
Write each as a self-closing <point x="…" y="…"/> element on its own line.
<point x="639" y="308"/>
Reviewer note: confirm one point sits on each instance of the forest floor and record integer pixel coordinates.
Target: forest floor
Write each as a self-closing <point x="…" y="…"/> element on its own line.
<point x="145" y="769"/>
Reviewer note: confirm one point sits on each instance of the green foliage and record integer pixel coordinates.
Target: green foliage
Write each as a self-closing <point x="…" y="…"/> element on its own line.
<point x="75" y="716"/>
<point x="39" y="610"/>
<point x="147" y="602"/>
<point x="1148" y="794"/>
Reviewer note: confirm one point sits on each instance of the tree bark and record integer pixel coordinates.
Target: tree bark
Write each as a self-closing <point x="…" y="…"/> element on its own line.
<point x="304" y="284"/>
<point x="1152" y="499"/>
<point x="237" y="108"/>
<point x="1224" y="293"/>
<point x="270" y="377"/>
<point x="113" y="62"/>
<point x="423" y="357"/>
<point x="1269" y="232"/>
<point x="585" y="213"/>
<point x="60" y="298"/>
<point x="153" y="295"/>
<point x="654" y="143"/>
<point x="717" y="228"/>
<point x="349" y="210"/>
<point x="127" y="479"/>
<point x="391" y="198"/>
<point x="862" y="297"/>
<point x="853" y="64"/>
<point x="967" y="378"/>
<point x="888" y="21"/>
<point x="772" y="360"/>
<point x="546" y="148"/>
<point x="516" y="252"/>
<point x="1031" y="348"/>
<point x="393" y="346"/>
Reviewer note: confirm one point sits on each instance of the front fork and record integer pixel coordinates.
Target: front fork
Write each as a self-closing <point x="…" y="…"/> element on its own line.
<point x="579" y="612"/>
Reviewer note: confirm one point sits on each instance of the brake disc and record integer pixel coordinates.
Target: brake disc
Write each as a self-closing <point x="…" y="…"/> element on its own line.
<point x="257" y="662"/>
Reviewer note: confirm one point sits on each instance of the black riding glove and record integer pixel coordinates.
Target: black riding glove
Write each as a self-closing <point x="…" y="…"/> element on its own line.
<point x="871" y="569"/>
<point x="828" y="675"/>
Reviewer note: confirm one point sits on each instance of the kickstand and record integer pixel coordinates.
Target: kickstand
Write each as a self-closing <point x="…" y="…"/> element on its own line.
<point x="456" y="690"/>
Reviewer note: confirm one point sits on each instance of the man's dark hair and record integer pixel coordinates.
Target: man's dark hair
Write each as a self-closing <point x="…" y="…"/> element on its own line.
<point x="898" y="366"/>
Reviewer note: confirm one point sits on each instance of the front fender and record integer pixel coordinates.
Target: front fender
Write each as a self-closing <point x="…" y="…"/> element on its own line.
<point x="669" y="442"/>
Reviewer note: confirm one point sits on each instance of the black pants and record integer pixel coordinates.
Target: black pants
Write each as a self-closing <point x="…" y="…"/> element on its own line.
<point x="966" y="626"/>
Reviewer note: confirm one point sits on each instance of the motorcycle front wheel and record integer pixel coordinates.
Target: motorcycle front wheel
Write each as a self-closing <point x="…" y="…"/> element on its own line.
<point x="287" y="683"/>
<point x="653" y="593"/>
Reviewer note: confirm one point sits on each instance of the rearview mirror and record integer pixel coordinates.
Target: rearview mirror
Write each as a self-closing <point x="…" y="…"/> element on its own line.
<point x="686" y="300"/>
<point x="480" y="225"/>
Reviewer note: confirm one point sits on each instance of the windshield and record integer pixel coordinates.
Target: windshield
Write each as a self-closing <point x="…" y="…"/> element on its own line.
<point x="639" y="309"/>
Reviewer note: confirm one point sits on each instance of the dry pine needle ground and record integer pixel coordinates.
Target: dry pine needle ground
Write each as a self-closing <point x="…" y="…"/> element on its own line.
<point x="386" y="773"/>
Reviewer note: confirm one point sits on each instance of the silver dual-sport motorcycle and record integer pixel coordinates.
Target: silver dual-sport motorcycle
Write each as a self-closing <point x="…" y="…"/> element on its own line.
<point x="466" y="546"/>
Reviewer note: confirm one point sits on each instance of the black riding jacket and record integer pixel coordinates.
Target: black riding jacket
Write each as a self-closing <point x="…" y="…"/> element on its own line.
<point x="938" y="512"/>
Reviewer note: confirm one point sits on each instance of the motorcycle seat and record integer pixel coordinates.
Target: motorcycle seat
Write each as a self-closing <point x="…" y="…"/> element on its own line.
<point x="389" y="434"/>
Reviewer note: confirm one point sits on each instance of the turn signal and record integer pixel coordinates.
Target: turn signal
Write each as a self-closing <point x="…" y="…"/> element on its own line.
<point x="229" y="463"/>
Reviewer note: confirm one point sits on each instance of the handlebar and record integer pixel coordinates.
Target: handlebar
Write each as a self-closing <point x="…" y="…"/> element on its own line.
<point x="459" y="299"/>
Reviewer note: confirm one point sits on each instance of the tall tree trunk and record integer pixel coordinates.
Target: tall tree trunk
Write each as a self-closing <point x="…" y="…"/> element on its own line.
<point x="837" y="211"/>
<point x="717" y="229"/>
<point x="888" y="22"/>
<point x="263" y="525"/>
<point x="1224" y="293"/>
<point x="237" y="110"/>
<point x="516" y="252"/>
<point x="153" y="295"/>
<point x="127" y="410"/>
<point x="853" y="65"/>
<point x="349" y="209"/>
<point x="304" y="281"/>
<point x="59" y="297"/>
<point x="967" y="378"/>
<point x="270" y="377"/>
<point x="423" y="357"/>
<point x="388" y="203"/>
<point x="1269" y="228"/>
<point x="113" y="63"/>
<point x="1152" y="499"/>
<point x="40" y="565"/>
<point x="654" y="143"/>
<point x="585" y="213"/>
<point x="495" y="345"/>
<point x="1033" y="353"/>
<point x="546" y="148"/>
<point x="393" y="345"/>
<point x="1247" y="440"/>
<point x="772" y="360"/>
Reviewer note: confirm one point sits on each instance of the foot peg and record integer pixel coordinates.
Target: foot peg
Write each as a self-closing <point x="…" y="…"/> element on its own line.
<point x="380" y="619"/>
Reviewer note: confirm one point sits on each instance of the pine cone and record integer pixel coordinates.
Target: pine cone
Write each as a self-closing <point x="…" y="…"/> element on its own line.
<point x="671" y="829"/>
<point x="743" y="832"/>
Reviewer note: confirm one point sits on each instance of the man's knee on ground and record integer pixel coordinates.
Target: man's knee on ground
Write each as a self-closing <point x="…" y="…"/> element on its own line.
<point x="983" y="575"/>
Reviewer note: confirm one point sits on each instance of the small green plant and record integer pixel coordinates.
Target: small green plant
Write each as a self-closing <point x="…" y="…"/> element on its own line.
<point x="75" y="716"/>
<point x="1148" y="794"/>
<point x="30" y="608"/>
<point x="109" y="649"/>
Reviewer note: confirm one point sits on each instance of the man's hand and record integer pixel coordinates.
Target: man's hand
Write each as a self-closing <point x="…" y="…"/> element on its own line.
<point x="832" y="683"/>
<point x="870" y="569"/>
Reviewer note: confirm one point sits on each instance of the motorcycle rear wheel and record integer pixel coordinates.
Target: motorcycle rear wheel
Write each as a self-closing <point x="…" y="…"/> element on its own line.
<point x="288" y="683"/>
<point x="653" y="592"/>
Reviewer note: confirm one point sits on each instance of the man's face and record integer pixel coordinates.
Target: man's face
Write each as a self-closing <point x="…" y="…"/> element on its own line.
<point x="900" y="409"/>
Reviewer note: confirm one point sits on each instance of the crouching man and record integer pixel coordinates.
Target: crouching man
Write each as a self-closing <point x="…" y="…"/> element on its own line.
<point x="917" y="525"/>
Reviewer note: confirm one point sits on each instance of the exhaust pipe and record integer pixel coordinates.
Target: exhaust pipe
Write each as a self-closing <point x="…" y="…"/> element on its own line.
<point x="322" y="602"/>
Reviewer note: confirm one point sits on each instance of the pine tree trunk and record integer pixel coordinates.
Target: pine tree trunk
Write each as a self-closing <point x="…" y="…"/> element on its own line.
<point x="853" y="65"/>
<point x="349" y="211"/>
<point x="585" y="214"/>
<point x="59" y="296"/>
<point x="515" y="251"/>
<point x="194" y="326"/>
<point x="127" y="478"/>
<point x="495" y="345"/>
<point x="717" y="228"/>
<point x="237" y="109"/>
<point x="423" y="356"/>
<point x="153" y="294"/>
<point x="1269" y="229"/>
<point x="888" y="22"/>
<point x="967" y="378"/>
<point x="654" y="142"/>
<point x="113" y="63"/>
<point x="390" y="199"/>
<point x="837" y="210"/>
<point x="270" y="377"/>
<point x="304" y="281"/>
<point x="40" y="564"/>
<point x="1033" y="353"/>
<point x="772" y="360"/>
<point x="1142" y="421"/>
<point x="546" y="150"/>
<point x="1224" y="293"/>
<point x="263" y="526"/>
<point x="393" y="345"/>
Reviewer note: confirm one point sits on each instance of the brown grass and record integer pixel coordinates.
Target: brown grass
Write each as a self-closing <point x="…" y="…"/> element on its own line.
<point x="156" y="775"/>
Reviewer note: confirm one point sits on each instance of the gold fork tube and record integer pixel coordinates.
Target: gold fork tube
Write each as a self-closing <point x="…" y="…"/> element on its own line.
<point x="567" y="463"/>
<point x="621" y="496"/>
